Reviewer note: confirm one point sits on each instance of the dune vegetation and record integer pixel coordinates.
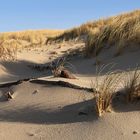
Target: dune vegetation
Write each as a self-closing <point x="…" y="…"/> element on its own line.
<point x="107" y="88"/>
<point x="119" y="31"/>
<point x="132" y="85"/>
<point x="11" y="41"/>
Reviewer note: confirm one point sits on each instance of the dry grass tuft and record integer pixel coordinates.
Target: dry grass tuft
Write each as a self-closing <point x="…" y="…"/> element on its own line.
<point x="132" y="85"/>
<point x="105" y="90"/>
<point x="60" y="69"/>
<point x="57" y="67"/>
<point x="8" y="52"/>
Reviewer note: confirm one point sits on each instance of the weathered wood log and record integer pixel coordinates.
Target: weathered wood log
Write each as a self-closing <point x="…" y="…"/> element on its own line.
<point x="14" y="83"/>
<point x="56" y="83"/>
<point x="66" y="74"/>
<point x="63" y="84"/>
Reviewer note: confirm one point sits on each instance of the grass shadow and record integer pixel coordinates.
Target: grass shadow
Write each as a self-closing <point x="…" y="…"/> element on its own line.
<point x="121" y="105"/>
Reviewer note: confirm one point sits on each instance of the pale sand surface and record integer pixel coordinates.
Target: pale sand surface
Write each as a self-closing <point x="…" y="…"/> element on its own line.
<point x="53" y="112"/>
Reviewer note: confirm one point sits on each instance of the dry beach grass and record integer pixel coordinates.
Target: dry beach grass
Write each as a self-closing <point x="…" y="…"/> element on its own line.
<point x="119" y="31"/>
<point x="12" y="41"/>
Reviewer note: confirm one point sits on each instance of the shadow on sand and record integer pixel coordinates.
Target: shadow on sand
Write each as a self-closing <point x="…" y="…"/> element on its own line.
<point x="33" y="114"/>
<point x="120" y="106"/>
<point x="79" y="112"/>
<point x="20" y="69"/>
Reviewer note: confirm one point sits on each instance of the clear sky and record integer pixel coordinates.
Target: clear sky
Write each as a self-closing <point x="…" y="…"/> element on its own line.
<point x="58" y="14"/>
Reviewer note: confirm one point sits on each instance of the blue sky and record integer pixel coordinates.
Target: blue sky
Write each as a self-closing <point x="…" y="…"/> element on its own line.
<point x="58" y="14"/>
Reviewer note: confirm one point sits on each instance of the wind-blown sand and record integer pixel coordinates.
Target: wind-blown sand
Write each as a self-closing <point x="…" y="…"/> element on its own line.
<point x="55" y="112"/>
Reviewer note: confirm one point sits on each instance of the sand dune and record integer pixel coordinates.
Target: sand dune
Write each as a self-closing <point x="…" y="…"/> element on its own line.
<point x="48" y="112"/>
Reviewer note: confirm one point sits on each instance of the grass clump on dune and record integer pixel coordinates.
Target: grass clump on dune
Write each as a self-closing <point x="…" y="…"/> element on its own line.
<point x="80" y="32"/>
<point x="8" y="52"/>
<point x="11" y="41"/>
<point x="121" y="31"/>
<point x="29" y="37"/>
<point x="132" y="85"/>
<point x="107" y="87"/>
<point x="105" y="90"/>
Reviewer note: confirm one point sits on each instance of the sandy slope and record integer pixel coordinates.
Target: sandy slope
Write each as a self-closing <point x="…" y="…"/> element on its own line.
<point x="53" y="112"/>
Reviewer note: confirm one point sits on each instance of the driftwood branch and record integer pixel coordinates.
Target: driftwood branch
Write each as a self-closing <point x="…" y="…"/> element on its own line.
<point x="62" y="84"/>
<point x="14" y="83"/>
<point x="45" y="82"/>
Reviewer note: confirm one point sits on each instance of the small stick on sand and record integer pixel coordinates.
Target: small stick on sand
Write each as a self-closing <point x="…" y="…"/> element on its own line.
<point x="9" y="95"/>
<point x="36" y="91"/>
